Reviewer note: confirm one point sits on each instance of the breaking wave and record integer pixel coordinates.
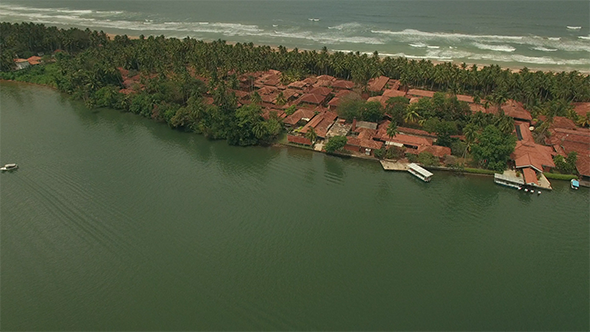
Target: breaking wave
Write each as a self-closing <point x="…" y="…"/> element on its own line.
<point x="544" y="49"/>
<point x="498" y="48"/>
<point x="409" y="43"/>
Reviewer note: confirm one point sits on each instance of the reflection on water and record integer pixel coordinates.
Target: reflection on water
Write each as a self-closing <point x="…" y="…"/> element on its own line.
<point x="167" y="230"/>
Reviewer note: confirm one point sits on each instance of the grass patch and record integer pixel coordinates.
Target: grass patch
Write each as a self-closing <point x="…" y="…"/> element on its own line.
<point x="556" y="176"/>
<point x="39" y="74"/>
<point x="477" y="171"/>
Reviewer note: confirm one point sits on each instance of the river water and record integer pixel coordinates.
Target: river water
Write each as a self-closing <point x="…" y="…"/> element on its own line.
<point x="540" y="34"/>
<point x="115" y="222"/>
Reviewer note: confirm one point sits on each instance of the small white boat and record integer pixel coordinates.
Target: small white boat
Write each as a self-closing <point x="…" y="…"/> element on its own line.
<point x="8" y="167"/>
<point x="575" y="184"/>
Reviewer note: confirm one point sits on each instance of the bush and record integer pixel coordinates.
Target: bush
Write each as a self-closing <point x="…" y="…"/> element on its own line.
<point x="412" y="157"/>
<point x="458" y="148"/>
<point x="336" y="143"/>
<point x="379" y="154"/>
<point x="395" y="152"/>
<point x="427" y="159"/>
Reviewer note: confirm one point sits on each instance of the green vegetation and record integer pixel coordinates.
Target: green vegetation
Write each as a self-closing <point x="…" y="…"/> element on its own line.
<point x="566" y="165"/>
<point x="170" y="75"/>
<point x="361" y="110"/>
<point x="493" y="149"/>
<point x="335" y="143"/>
<point x="478" y="171"/>
<point x="556" y="176"/>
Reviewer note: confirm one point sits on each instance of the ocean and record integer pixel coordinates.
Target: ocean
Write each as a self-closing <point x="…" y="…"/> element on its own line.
<point x="548" y="35"/>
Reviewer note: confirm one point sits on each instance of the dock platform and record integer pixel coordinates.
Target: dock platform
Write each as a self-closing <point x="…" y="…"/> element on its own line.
<point x="390" y="165"/>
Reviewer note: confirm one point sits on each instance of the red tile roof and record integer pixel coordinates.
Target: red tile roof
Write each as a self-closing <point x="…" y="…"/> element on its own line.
<point x="326" y="78"/>
<point x="364" y="143"/>
<point x="378" y="83"/>
<point x="380" y="99"/>
<point x="420" y="93"/>
<point x="266" y="90"/>
<point x="525" y="133"/>
<point x="298" y="85"/>
<point x="515" y="110"/>
<point x="298" y="115"/>
<point x="342" y="84"/>
<point x="413" y="131"/>
<point x="327" y="120"/>
<point x="583" y="164"/>
<point x="563" y="123"/>
<point x="34" y="60"/>
<point x="312" y="98"/>
<point x="393" y="93"/>
<point x="394" y="84"/>
<point x="298" y="140"/>
<point x="366" y="133"/>
<point x="529" y="175"/>
<point x="437" y="151"/>
<point x="582" y="108"/>
<point x="323" y="91"/>
<point x="530" y="154"/>
<point x="479" y="108"/>
<point x="406" y="140"/>
<point x="465" y="98"/>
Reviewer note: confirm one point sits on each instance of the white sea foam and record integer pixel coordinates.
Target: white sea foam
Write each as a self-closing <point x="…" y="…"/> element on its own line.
<point x="433" y="46"/>
<point x="554" y="38"/>
<point x="584" y="37"/>
<point x="499" y="48"/>
<point x="347" y="26"/>
<point x="573" y="27"/>
<point x="411" y="33"/>
<point x="419" y="45"/>
<point x="544" y="49"/>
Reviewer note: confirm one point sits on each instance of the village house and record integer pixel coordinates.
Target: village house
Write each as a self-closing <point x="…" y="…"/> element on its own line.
<point x="21" y="64"/>
<point x="566" y="139"/>
<point x="299" y="140"/>
<point x="582" y="108"/>
<point x="34" y="60"/>
<point x="299" y="117"/>
<point x="378" y="84"/>
<point x="365" y="146"/>
<point x="342" y="85"/>
<point x="390" y="93"/>
<point x="515" y="110"/>
<point x="321" y="123"/>
<point x="420" y="93"/>
<point x="529" y="157"/>
<point x="312" y="99"/>
<point x="339" y="128"/>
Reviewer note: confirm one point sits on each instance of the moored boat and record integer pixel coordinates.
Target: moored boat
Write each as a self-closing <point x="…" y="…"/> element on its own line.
<point x="419" y="172"/>
<point x="8" y="167"/>
<point x="575" y="184"/>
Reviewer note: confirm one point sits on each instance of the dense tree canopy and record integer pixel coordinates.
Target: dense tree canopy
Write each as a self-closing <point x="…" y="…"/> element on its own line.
<point x="171" y="88"/>
<point x="492" y="149"/>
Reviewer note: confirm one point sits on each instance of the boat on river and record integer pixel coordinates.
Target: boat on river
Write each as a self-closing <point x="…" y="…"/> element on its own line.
<point x="575" y="184"/>
<point x="8" y="167"/>
<point x="419" y="172"/>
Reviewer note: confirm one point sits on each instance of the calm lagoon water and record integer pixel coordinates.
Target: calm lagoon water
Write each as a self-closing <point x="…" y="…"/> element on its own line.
<point x="114" y="222"/>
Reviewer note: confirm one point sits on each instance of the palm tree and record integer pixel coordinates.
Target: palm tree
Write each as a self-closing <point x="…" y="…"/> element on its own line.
<point x="584" y="121"/>
<point x="311" y="135"/>
<point x="411" y="115"/>
<point x="392" y="129"/>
